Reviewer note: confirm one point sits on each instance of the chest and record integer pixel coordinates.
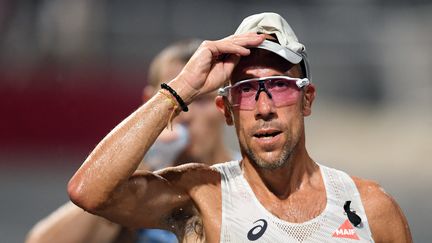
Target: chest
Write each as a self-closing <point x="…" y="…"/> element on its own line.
<point x="245" y="211"/>
<point x="312" y="215"/>
<point x="299" y="207"/>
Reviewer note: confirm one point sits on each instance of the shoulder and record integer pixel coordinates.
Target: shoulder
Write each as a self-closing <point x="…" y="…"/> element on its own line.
<point x="385" y="217"/>
<point x="191" y="176"/>
<point x="376" y="201"/>
<point x="179" y="173"/>
<point x="187" y="172"/>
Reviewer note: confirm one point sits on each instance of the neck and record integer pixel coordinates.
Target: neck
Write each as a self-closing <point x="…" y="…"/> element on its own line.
<point x="298" y="171"/>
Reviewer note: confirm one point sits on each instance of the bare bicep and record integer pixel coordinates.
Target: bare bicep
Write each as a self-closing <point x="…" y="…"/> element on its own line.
<point x="146" y="200"/>
<point x="160" y="199"/>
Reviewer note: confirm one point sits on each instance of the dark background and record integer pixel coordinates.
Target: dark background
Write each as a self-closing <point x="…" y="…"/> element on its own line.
<point x="71" y="70"/>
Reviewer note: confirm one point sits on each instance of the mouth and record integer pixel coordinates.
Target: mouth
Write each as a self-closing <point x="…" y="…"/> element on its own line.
<point x="267" y="134"/>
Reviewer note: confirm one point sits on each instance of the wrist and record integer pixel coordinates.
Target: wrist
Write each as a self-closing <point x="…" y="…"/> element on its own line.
<point x="183" y="89"/>
<point x="175" y="98"/>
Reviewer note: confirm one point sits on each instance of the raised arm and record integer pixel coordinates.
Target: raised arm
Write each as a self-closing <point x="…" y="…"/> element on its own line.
<point x="107" y="184"/>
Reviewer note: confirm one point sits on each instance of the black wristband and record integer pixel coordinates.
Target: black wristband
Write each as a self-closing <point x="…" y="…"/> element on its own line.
<point x="176" y="96"/>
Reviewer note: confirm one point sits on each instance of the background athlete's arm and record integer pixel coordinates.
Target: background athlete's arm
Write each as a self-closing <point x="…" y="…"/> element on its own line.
<point x="107" y="184"/>
<point x="70" y="224"/>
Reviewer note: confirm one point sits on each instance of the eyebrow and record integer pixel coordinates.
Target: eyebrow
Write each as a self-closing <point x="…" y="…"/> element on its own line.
<point x="249" y="76"/>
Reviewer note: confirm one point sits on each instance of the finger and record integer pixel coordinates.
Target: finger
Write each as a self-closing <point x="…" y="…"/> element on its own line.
<point x="225" y="47"/>
<point x="244" y="35"/>
<point x="252" y="39"/>
<point x="230" y="63"/>
<point x="233" y="48"/>
<point x="235" y="44"/>
<point x="233" y="59"/>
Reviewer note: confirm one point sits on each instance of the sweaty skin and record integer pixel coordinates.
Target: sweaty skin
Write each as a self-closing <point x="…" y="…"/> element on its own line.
<point x="203" y="123"/>
<point x="187" y="199"/>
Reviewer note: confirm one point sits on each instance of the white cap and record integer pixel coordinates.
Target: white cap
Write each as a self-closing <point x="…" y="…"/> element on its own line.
<point x="271" y="23"/>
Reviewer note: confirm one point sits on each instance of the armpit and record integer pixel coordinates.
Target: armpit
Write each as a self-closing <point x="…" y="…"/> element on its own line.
<point x="187" y="224"/>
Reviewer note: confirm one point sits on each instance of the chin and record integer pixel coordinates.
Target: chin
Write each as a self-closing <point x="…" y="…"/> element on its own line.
<point x="272" y="162"/>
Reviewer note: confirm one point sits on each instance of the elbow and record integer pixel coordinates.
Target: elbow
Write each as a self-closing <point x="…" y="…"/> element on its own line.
<point x="39" y="233"/>
<point x="33" y="237"/>
<point x="77" y="195"/>
<point x="83" y="197"/>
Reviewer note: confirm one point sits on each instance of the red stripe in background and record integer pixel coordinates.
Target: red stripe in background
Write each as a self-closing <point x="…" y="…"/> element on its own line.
<point x="42" y="109"/>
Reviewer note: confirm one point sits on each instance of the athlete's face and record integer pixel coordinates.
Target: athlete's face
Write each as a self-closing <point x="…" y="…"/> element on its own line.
<point x="205" y="125"/>
<point x="269" y="135"/>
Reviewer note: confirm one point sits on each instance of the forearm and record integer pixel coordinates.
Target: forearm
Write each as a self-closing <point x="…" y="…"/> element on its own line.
<point x="118" y="155"/>
<point x="71" y="224"/>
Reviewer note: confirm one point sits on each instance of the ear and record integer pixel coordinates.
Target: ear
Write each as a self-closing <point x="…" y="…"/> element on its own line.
<point x="147" y="93"/>
<point x="308" y="98"/>
<point x="224" y="109"/>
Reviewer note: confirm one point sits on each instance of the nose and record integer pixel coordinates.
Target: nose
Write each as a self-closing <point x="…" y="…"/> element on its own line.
<point x="265" y="108"/>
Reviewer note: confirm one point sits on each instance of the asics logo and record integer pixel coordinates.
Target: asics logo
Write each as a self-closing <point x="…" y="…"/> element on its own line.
<point x="257" y="231"/>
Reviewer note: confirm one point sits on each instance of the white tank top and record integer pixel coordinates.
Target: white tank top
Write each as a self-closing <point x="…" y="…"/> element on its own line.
<point x="244" y="218"/>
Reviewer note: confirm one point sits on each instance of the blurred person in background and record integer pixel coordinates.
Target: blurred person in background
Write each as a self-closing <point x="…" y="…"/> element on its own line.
<point x="275" y="193"/>
<point x="195" y="136"/>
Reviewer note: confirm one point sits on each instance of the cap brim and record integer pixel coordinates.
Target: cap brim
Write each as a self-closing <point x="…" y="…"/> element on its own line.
<point x="289" y="55"/>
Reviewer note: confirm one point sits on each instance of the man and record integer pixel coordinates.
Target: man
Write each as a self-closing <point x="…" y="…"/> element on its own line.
<point x="276" y="193"/>
<point x="196" y="136"/>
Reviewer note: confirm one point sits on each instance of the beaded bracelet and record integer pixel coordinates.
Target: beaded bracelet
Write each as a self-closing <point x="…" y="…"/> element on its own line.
<point x="176" y="96"/>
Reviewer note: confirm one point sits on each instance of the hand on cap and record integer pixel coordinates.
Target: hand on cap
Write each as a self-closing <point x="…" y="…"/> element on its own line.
<point x="213" y="63"/>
